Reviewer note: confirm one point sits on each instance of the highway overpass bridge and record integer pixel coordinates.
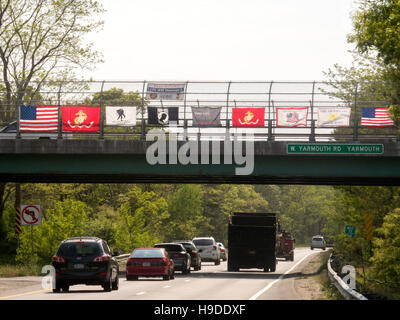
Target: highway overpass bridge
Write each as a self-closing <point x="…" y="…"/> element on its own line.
<point x="136" y="161"/>
<point x="329" y="143"/>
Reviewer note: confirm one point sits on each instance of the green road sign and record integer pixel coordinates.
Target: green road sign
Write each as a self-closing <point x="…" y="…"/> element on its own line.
<point x="350" y="231"/>
<point x="334" y="148"/>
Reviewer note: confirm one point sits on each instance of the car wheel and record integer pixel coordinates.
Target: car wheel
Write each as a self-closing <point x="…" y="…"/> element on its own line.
<point x="115" y="284"/>
<point x="57" y="289"/>
<point x="217" y="262"/>
<point x="65" y="288"/>
<point x="312" y="248"/>
<point x="107" y="286"/>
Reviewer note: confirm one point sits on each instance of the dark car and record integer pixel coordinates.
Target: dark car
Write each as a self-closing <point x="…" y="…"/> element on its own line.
<point x="178" y="254"/>
<point x="329" y="242"/>
<point x="85" y="260"/>
<point x="194" y="253"/>
<point x="149" y="262"/>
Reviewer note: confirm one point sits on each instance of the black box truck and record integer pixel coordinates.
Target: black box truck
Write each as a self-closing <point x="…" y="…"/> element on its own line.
<point x="252" y="241"/>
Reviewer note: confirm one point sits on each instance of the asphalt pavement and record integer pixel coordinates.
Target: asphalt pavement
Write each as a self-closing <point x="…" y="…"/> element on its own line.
<point x="210" y="283"/>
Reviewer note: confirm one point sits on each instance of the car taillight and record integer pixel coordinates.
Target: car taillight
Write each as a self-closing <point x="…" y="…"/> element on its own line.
<point x="215" y="247"/>
<point x="58" y="259"/>
<point x="101" y="258"/>
<point x="222" y="250"/>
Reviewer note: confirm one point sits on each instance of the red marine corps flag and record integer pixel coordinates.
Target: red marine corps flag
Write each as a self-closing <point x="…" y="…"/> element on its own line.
<point x="81" y="119"/>
<point x="248" y="117"/>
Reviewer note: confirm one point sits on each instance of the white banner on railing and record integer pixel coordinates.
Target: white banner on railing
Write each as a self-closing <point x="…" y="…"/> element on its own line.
<point x="121" y="116"/>
<point x="333" y="117"/>
<point x="165" y="91"/>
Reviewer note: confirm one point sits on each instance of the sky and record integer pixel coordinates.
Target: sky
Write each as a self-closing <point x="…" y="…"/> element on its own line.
<point x="222" y="39"/>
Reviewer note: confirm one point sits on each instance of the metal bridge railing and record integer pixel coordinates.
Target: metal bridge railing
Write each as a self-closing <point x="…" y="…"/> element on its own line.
<point x="226" y="95"/>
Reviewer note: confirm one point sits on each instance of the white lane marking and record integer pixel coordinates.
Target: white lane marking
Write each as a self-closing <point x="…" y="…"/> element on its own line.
<point x="187" y="280"/>
<point x="259" y="293"/>
<point x="165" y="287"/>
<point x="140" y="293"/>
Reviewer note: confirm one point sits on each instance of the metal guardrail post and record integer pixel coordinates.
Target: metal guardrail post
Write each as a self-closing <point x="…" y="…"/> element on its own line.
<point x="312" y="135"/>
<point x="101" y="113"/>
<point x="270" y="135"/>
<point x="355" y="132"/>
<point x="143" y="124"/>
<point x="59" y="135"/>
<point x="227" y="122"/>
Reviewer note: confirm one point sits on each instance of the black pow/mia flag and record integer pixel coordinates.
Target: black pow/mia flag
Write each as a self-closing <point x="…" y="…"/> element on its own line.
<point x="206" y="117"/>
<point x="162" y="116"/>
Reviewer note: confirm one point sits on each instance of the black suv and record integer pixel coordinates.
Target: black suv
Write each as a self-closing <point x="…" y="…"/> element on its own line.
<point x="178" y="254"/>
<point x="194" y="253"/>
<point x="85" y="260"/>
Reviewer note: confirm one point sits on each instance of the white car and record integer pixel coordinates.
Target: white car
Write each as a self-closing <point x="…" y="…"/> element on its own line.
<point x="209" y="251"/>
<point x="318" y="242"/>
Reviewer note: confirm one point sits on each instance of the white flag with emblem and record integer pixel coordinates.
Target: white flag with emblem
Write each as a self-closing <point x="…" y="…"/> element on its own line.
<point x="121" y="116"/>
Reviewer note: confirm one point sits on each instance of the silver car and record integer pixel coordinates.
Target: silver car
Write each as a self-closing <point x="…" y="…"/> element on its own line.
<point x="318" y="242"/>
<point x="208" y="249"/>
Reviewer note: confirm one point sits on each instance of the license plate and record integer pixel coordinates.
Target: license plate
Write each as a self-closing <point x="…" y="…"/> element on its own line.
<point x="146" y="264"/>
<point x="79" y="266"/>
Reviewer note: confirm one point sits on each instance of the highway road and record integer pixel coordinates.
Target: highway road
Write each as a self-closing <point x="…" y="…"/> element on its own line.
<point x="210" y="283"/>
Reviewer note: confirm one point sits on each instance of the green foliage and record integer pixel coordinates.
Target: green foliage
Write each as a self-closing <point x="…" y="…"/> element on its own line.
<point x="66" y="219"/>
<point x="376" y="28"/>
<point x="386" y="258"/>
<point x="185" y="208"/>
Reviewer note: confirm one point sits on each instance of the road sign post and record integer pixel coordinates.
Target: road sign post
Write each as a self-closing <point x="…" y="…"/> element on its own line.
<point x="31" y="215"/>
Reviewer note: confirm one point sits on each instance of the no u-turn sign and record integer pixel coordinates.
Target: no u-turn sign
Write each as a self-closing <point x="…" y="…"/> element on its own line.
<point x="31" y="215"/>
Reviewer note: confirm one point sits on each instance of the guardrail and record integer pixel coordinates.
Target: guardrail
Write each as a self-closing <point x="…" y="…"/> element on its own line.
<point x="344" y="289"/>
<point x="326" y="104"/>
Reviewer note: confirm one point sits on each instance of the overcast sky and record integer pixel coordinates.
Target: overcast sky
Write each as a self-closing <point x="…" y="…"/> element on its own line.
<point x="222" y="39"/>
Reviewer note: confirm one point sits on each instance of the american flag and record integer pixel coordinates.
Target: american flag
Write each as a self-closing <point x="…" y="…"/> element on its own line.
<point x="375" y="117"/>
<point x="292" y="117"/>
<point x="38" y="119"/>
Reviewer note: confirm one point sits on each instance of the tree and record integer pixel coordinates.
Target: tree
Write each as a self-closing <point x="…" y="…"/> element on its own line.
<point x="386" y="257"/>
<point x="66" y="219"/>
<point x="41" y="41"/>
<point x="185" y="208"/>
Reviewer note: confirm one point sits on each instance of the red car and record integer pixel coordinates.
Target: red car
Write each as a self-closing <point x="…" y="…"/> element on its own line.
<point x="149" y="262"/>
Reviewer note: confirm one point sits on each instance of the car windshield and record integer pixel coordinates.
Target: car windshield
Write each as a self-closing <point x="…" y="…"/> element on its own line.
<point x="72" y="249"/>
<point x="203" y="242"/>
<point x="147" y="253"/>
<point x="170" y="247"/>
<point x="317" y="239"/>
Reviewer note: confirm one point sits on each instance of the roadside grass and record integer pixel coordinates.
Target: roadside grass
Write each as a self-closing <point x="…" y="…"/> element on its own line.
<point x="327" y="287"/>
<point x="10" y="268"/>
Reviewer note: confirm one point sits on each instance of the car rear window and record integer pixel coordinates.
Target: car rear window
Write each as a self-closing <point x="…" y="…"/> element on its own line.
<point x="188" y="246"/>
<point x="317" y="239"/>
<point x="72" y="249"/>
<point x="170" y="247"/>
<point x="149" y="253"/>
<point x="203" y="242"/>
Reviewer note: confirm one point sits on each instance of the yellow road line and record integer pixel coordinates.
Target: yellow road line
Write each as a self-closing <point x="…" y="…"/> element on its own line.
<point x="24" y="294"/>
